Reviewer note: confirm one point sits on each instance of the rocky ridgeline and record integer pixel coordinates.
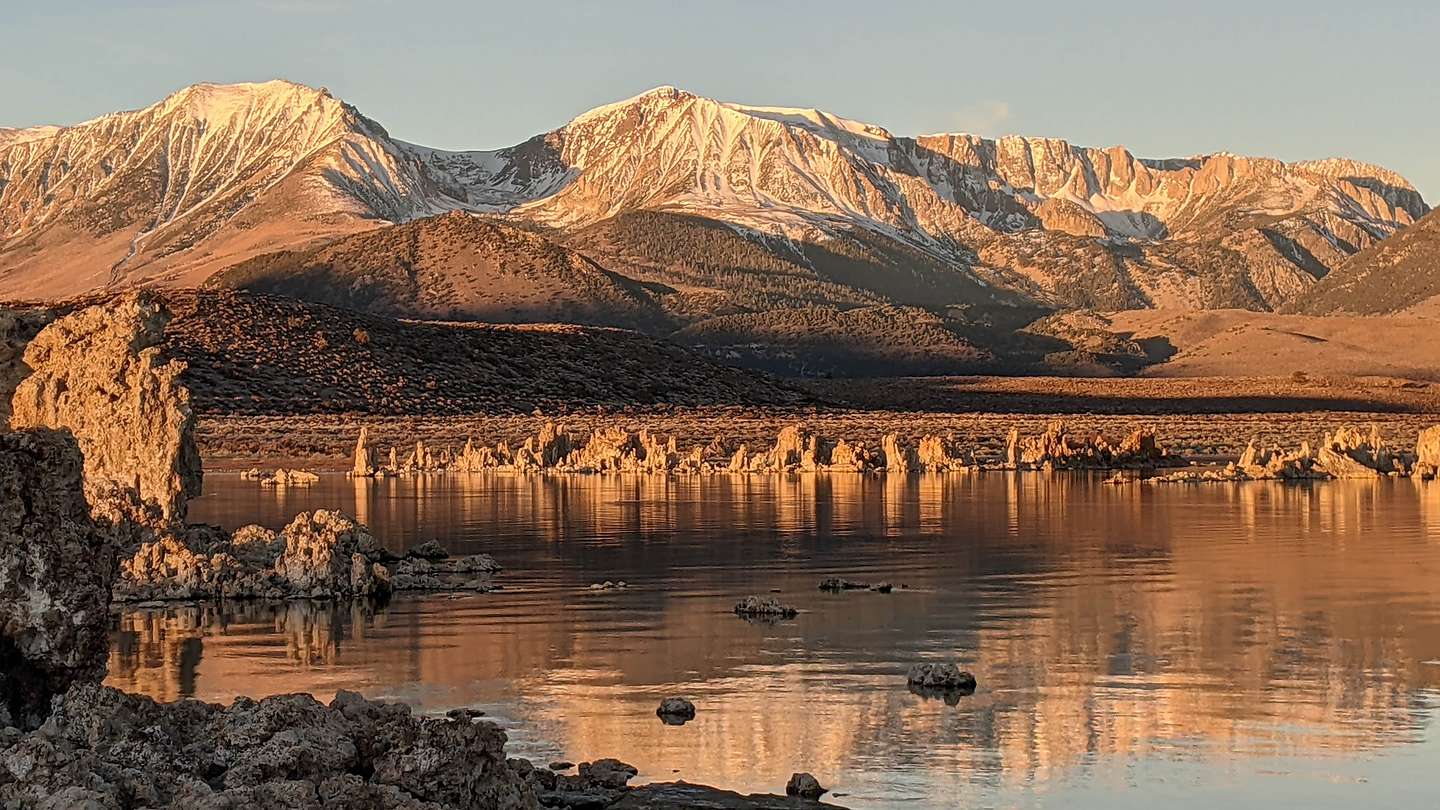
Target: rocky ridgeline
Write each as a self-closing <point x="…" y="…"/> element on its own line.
<point x="69" y="509"/>
<point x="1345" y="453"/>
<point x="795" y="450"/>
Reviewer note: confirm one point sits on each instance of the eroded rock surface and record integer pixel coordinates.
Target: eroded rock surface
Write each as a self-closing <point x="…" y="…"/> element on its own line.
<point x="17" y="329"/>
<point x="322" y="554"/>
<point x="1057" y="448"/>
<point x="106" y="749"/>
<point x="1346" y="452"/>
<point x="55" y="572"/>
<point x="99" y="374"/>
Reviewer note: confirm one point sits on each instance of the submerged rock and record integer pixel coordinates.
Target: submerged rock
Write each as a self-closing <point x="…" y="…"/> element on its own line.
<point x="55" y="573"/>
<point x="288" y="478"/>
<point x="99" y="374"/>
<point x="765" y="607"/>
<point x="428" y="550"/>
<point x="837" y="584"/>
<point x="673" y="795"/>
<point x="942" y="677"/>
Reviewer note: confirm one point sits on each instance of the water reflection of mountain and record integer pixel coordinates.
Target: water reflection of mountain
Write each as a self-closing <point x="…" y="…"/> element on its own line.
<point x="1101" y="620"/>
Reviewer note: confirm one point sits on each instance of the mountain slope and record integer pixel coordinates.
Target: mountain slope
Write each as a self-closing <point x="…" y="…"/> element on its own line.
<point x="214" y="175"/>
<point x="456" y="267"/>
<point x="209" y="175"/>
<point x="1399" y="275"/>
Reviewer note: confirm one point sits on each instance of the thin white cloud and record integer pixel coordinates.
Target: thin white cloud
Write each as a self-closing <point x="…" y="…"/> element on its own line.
<point x="982" y="117"/>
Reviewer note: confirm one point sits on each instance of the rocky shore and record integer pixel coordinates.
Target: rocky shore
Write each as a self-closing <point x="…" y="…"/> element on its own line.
<point x="94" y="478"/>
<point x="620" y="450"/>
<point x="1346" y="453"/>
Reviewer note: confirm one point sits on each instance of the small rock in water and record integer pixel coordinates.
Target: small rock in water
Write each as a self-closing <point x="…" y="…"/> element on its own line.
<point x="805" y="786"/>
<point x="766" y="607"/>
<point x="674" y="711"/>
<point x="561" y="765"/>
<point x="607" y="585"/>
<point x="464" y="714"/>
<point x="607" y="773"/>
<point x="941" y="678"/>
<point x="837" y="584"/>
<point x="428" y="550"/>
<point x="882" y="587"/>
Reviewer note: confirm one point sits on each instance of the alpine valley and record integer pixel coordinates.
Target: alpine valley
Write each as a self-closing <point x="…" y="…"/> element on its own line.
<point x="786" y="239"/>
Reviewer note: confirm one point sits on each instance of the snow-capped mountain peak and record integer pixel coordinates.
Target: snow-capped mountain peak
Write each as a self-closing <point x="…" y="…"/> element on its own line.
<point x="214" y="173"/>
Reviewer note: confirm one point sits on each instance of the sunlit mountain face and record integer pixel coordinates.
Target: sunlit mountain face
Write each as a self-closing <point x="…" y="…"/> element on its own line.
<point x="215" y="175"/>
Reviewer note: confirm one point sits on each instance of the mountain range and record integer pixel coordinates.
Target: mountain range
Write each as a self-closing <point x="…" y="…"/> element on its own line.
<point x="716" y="223"/>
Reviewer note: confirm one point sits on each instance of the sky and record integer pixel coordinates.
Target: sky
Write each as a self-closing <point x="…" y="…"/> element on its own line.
<point x="1292" y="80"/>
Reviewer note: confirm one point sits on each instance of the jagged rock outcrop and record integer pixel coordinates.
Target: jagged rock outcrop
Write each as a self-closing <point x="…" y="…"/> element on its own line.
<point x="320" y="555"/>
<point x="1056" y="448"/>
<point x="55" y="573"/>
<point x="17" y="329"/>
<point x="366" y="461"/>
<point x="1344" y="453"/>
<point x="1427" y="452"/>
<point x="1347" y="453"/>
<point x="104" y="748"/>
<point x="99" y="374"/>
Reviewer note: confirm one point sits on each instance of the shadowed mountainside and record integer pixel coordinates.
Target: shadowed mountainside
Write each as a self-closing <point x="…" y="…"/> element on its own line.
<point x="253" y="354"/>
<point x="1399" y="275"/>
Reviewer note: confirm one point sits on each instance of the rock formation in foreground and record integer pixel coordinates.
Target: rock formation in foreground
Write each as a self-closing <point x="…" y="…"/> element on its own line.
<point x="99" y="374"/>
<point x="55" y="573"/>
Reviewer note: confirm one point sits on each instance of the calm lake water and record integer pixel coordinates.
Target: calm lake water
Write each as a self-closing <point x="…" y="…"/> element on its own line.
<point x="1159" y="646"/>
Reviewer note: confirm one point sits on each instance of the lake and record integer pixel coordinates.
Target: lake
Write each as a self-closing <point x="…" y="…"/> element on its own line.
<point x="1135" y="646"/>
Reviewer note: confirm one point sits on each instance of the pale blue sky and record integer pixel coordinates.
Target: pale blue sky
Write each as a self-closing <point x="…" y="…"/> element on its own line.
<point x="1289" y="79"/>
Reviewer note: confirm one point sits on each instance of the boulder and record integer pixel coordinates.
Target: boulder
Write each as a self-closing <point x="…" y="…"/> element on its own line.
<point x="608" y="773"/>
<point x="676" y="710"/>
<point x="56" y="566"/>
<point x="805" y="786"/>
<point x="428" y="550"/>
<point x="99" y="374"/>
